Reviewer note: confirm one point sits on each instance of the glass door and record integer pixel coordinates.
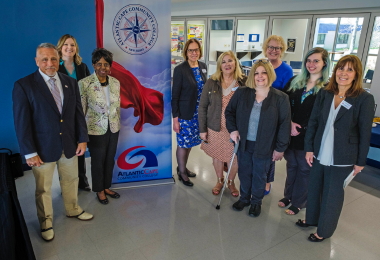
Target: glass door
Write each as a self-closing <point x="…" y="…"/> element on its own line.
<point x="372" y="50"/>
<point x="296" y="33"/>
<point x="250" y="35"/>
<point x="220" y="40"/>
<point x="340" y="35"/>
<point x="197" y="29"/>
<point x="178" y="39"/>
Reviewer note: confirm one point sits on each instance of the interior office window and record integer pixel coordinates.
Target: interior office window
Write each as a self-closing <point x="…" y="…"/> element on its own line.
<point x="373" y="52"/>
<point x="321" y="38"/>
<point x="342" y="38"/>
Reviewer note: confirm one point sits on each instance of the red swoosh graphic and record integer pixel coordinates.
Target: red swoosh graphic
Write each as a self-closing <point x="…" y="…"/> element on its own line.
<point x="122" y="163"/>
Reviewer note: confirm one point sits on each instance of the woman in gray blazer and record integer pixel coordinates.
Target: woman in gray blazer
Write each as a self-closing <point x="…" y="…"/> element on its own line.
<point x="216" y="94"/>
<point x="337" y="143"/>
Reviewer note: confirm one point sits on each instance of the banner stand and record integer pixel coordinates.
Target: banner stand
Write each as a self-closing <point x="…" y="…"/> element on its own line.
<point x="140" y="184"/>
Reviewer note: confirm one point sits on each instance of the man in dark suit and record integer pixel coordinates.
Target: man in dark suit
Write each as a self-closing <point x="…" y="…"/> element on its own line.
<point x="51" y="130"/>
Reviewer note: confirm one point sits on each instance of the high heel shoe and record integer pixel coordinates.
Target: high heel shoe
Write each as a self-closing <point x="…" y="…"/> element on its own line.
<point x="104" y="202"/>
<point x="232" y="187"/>
<point x="218" y="186"/>
<point x="186" y="183"/>
<point x="189" y="173"/>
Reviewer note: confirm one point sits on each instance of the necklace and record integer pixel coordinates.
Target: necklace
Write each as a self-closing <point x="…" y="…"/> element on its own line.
<point x="340" y="96"/>
<point x="104" y="84"/>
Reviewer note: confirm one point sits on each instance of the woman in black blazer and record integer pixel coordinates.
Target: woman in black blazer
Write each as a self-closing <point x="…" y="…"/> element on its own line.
<point x="302" y="90"/>
<point x="337" y="143"/>
<point x="71" y="64"/>
<point x="188" y="80"/>
<point x="259" y="116"/>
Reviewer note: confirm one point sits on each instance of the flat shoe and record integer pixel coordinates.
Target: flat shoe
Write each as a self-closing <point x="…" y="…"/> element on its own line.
<point x="285" y="201"/>
<point x="301" y="224"/>
<point x="47" y="234"/>
<point x="87" y="188"/>
<point x="84" y="216"/>
<point x="239" y="205"/>
<point x="294" y="209"/>
<point x="104" y="202"/>
<point x="313" y="238"/>
<point x="254" y="210"/>
<point x="114" y="196"/>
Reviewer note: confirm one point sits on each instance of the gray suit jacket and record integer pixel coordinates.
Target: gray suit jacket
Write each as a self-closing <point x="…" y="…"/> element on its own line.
<point x="352" y="127"/>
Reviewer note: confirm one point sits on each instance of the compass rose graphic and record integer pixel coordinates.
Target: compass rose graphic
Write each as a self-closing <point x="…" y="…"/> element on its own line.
<point x="135" y="29"/>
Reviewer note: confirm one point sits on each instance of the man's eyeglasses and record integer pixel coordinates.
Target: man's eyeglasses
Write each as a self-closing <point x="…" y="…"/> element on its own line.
<point x="263" y="61"/>
<point x="274" y="48"/>
<point x="193" y="50"/>
<point x="99" y="65"/>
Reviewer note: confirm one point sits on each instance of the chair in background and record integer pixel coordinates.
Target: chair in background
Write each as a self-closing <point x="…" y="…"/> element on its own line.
<point x="296" y="65"/>
<point x="368" y="76"/>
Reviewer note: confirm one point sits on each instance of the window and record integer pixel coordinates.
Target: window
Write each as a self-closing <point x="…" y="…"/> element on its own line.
<point x="373" y="52"/>
<point x="342" y="38"/>
<point x="321" y="38"/>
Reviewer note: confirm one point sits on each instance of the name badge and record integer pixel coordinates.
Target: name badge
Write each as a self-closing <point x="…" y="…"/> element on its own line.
<point x="235" y="88"/>
<point x="346" y="104"/>
<point x="204" y="70"/>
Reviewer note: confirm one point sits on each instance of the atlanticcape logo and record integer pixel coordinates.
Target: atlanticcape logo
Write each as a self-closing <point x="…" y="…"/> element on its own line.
<point x="135" y="29"/>
<point x="150" y="162"/>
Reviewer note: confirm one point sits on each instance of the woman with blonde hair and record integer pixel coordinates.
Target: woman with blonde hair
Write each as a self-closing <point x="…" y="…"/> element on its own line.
<point x="216" y="94"/>
<point x="71" y="64"/>
<point x="336" y="143"/>
<point x="259" y="117"/>
<point x="274" y="48"/>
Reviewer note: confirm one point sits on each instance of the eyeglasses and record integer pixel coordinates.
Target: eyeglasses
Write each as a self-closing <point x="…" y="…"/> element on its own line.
<point x="193" y="50"/>
<point x="274" y="48"/>
<point x="203" y="141"/>
<point x="99" y="65"/>
<point x="263" y="61"/>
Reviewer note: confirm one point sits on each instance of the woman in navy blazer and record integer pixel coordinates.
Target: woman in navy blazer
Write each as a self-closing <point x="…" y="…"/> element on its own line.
<point x="337" y="143"/>
<point x="71" y="64"/>
<point x="188" y="80"/>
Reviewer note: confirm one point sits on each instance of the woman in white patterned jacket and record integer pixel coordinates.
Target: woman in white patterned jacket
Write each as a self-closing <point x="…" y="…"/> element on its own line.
<point x="100" y="95"/>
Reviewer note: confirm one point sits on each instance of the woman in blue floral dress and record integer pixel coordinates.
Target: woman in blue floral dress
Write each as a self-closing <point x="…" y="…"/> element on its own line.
<point x="188" y="80"/>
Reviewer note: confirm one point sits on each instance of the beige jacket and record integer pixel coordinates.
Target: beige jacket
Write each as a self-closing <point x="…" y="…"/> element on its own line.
<point x="94" y="105"/>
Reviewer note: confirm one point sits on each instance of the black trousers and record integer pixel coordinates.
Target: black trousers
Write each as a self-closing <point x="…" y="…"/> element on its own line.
<point x="297" y="179"/>
<point x="252" y="175"/>
<point x="325" y="197"/>
<point x="83" y="181"/>
<point x="102" y="150"/>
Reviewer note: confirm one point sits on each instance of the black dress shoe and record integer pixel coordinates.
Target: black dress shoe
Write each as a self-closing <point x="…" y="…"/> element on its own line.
<point x="239" y="205"/>
<point x="254" y="210"/>
<point x="186" y="183"/>
<point x="114" y="196"/>
<point x="104" y="202"/>
<point x="189" y="173"/>
<point x="87" y="188"/>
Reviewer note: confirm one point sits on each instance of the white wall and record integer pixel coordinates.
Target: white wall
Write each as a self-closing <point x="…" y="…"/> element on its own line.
<point x="248" y="27"/>
<point x="220" y="40"/>
<point x="216" y="7"/>
<point x="292" y="29"/>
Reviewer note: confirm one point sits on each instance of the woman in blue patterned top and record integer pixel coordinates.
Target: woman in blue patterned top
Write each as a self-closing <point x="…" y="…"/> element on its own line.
<point x="302" y="91"/>
<point x="188" y="80"/>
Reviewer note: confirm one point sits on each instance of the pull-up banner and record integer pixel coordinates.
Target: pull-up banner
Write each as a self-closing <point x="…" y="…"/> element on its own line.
<point x="138" y="35"/>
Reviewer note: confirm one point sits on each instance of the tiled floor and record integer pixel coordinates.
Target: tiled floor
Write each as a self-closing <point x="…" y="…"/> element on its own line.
<point x="177" y="222"/>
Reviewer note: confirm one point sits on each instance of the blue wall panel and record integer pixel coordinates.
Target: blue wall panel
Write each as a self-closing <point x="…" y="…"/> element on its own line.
<point x="24" y="25"/>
